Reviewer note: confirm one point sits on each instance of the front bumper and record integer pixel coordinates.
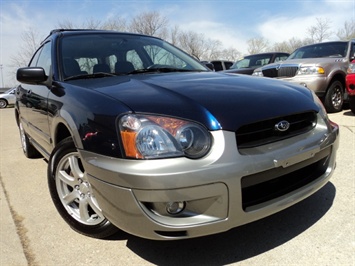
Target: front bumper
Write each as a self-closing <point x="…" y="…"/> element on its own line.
<point x="215" y="193"/>
<point x="318" y="84"/>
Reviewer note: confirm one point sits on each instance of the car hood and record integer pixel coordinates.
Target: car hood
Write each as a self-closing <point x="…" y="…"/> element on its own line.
<point x="210" y="98"/>
<point x="246" y="70"/>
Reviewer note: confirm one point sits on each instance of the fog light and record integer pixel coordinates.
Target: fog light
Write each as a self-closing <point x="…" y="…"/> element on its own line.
<point x="175" y="207"/>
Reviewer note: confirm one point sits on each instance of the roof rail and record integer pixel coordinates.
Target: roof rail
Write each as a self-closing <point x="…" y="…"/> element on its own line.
<point x="62" y="30"/>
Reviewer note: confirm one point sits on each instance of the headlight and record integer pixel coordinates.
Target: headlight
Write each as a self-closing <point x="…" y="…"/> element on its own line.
<point x="151" y="137"/>
<point x="310" y="70"/>
<point x="257" y="73"/>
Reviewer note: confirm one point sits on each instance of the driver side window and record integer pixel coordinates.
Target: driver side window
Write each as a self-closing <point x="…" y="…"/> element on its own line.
<point x="42" y="58"/>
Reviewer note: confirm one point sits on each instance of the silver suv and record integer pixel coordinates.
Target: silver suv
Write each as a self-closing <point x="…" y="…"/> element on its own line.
<point x="320" y="67"/>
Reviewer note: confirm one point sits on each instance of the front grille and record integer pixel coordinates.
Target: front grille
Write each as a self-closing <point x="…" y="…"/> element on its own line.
<point x="264" y="132"/>
<point x="282" y="71"/>
<point x="287" y="71"/>
<point x="274" y="183"/>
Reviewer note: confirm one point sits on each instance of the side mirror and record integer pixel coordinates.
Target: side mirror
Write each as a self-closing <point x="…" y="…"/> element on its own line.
<point x="31" y="75"/>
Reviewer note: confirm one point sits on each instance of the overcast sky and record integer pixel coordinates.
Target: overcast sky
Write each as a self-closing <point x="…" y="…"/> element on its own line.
<point x="232" y="22"/>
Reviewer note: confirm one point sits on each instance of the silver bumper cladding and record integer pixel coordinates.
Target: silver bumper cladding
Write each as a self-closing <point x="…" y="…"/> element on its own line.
<point x="181" y="198"/>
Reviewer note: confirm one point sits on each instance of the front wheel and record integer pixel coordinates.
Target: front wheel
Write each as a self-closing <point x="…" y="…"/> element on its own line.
<point x="72" y="194"/>
<point x="3" y="103"/>
<point x="334" y="97"/>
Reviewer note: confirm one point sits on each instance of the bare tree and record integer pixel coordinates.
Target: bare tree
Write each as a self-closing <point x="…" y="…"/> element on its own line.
<point x="90" y="23"/>
<point x="173" y="36"/>
<point x="30" y="41"/>
<point x="150" y="23"/>
<point x="321" y="31"/>
<point x="230" y="54"/>
<point x="257" y="45"/>
<point x="348" y="32"/>
<point x="117" y="24"/>
<point x="192" y="42"/>
<point x="66" y="24"/>
<point x="289" y="46"/>
<point x="197" y="45"/>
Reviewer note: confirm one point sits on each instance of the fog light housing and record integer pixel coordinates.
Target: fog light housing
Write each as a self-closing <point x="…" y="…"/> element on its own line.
<point x="175" y="207"/>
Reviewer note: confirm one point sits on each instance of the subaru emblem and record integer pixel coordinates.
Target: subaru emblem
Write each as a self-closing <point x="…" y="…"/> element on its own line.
<point x="282" y="126"/>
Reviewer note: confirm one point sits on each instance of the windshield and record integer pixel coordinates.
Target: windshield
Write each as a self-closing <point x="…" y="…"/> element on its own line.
<point x="332" y="49"/>
<point x="252" y="61"/>
<point x="118" y="54"/>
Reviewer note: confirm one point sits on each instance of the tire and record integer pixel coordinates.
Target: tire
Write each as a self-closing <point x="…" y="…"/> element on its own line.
<point x="3" y="103"/>
<point x="334" y="97"/>
<point x="28" y="149"/>
<point x="72" y="194"/>
<point x="352" y="103"/>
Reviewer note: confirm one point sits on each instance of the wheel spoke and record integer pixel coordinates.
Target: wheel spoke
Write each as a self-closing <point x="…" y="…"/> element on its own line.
<point x="69" y="198"/>
<point x="93" y="204"/>
<point x="83" y="209"/>
<point x="66" y="178"/>
<point x="75" y="168"/>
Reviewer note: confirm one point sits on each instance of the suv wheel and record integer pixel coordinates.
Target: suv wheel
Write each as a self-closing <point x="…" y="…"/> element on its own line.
<point x="72" y="194"/>
<point x="334" y="97"/>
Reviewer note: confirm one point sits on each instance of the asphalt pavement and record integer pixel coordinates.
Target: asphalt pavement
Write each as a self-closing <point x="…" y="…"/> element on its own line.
<point x="317" y="231"/>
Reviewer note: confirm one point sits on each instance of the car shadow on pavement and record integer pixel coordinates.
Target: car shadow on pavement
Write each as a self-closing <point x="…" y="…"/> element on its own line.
<point x="239" y="243"/>
<point x="348" y="113"/>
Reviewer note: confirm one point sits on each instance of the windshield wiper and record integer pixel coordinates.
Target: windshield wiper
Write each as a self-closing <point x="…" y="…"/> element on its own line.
<point x="91" y="76"/>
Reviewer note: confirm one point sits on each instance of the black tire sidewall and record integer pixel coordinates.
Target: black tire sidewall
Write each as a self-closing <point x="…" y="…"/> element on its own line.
<point x="352" y="103"/>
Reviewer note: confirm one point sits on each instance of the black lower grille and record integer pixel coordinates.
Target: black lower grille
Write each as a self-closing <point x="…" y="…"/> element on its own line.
<point x="270" y="72"/>
<point x="271" y="184"/>
<point x="263" y="132"/>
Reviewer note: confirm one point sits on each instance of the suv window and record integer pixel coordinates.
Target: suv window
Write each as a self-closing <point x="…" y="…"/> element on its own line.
<point x="44" y="59"/>
<point x="333" y="49"/>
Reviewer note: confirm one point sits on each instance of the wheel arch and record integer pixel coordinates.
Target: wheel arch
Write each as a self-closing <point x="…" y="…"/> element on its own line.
<point x="64" y="127"/>
<point x="61" y="132"/>
<point x="339" y="76"/>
